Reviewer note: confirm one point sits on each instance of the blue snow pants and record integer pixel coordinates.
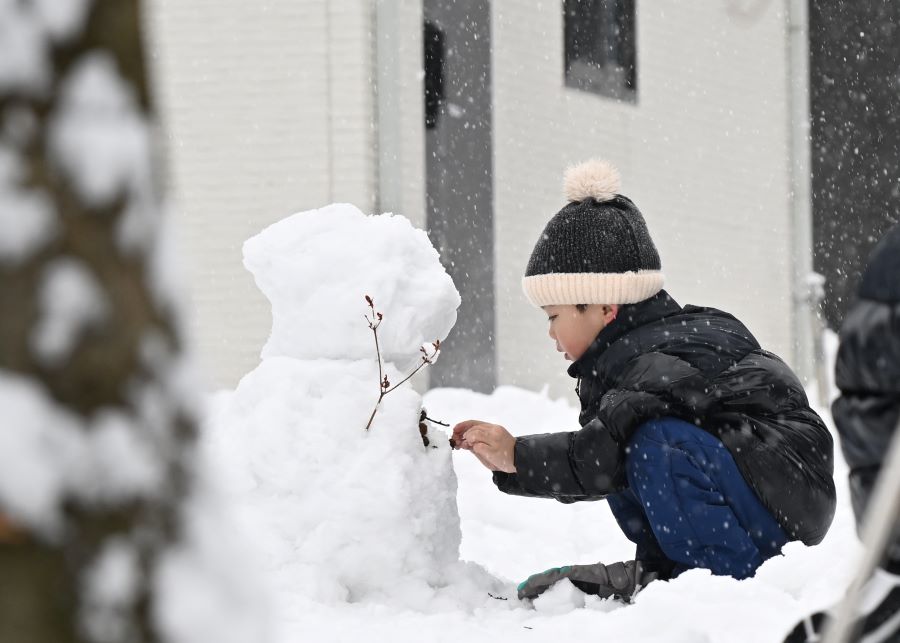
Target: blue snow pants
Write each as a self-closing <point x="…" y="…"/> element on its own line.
<point x="688" y="506"/>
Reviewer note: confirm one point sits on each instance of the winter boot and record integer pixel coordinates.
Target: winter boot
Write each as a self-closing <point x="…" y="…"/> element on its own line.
<point x="878" y="616"/>
<point x="619" y="580"/>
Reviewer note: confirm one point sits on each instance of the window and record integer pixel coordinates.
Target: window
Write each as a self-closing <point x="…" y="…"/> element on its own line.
<point x="434" y="73"/>
<point x="600" y="54"/>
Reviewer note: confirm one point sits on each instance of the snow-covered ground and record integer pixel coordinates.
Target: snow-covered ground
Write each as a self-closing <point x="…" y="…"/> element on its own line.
<point x="514" y="537"/>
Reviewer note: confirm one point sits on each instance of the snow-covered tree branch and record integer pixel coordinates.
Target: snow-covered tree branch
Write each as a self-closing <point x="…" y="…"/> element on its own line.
<point x="97" y="450"/>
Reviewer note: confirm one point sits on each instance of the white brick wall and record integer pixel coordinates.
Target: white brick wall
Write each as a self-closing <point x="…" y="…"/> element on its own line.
<point x="704" y="154"/>
<point x="269" y="110"/>
<point x="401" y="117"/>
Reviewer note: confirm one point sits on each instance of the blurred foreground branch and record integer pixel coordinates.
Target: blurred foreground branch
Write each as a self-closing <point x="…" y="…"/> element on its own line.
<point x="88" y="344"/>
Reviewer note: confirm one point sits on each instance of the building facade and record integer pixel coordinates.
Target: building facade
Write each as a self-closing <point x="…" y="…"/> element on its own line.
<point x="463" y="116"/>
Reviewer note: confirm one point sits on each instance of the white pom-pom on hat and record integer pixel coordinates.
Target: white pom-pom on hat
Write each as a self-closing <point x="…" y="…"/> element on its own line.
<point x="596" y="178"/>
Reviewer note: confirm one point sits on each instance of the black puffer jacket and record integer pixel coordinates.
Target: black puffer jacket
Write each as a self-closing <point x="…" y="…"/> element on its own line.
<point x="701" y="365"/>
<point x="868" y="373"/>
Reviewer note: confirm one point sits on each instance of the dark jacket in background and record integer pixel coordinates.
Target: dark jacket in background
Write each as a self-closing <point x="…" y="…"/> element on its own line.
<point x="868" y="373"/>
<point x="697" y="364"/>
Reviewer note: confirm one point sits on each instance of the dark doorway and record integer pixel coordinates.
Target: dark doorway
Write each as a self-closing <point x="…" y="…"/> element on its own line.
<point x="855" y="111"/>
<point x="459" y="179"/>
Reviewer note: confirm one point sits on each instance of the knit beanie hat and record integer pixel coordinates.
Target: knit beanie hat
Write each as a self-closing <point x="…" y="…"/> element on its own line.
<point x="597" y="249"/>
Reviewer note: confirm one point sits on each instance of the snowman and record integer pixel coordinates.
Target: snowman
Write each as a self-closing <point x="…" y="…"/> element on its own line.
<point x="328" y="456"/>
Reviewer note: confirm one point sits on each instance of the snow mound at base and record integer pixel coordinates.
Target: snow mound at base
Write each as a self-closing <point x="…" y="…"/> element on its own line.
<point x="316" y="267"/>
<point x="343" y="514"/>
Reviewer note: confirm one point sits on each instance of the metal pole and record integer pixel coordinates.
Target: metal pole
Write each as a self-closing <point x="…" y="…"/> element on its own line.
<point x="801" y="190"/>
<point x="816" y="285"/>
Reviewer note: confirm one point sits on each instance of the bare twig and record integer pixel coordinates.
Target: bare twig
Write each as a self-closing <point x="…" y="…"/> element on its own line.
<point x="425" y="360"/>
<point x="384" y="386"/>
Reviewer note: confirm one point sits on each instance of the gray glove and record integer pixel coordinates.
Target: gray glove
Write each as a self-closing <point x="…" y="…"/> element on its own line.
<point x="619" y="580"/>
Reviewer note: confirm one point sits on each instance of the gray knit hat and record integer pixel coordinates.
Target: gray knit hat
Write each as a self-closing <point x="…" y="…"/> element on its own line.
<point x="597" y="249"/>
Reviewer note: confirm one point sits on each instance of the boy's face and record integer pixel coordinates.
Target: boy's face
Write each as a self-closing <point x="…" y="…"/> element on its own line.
<point x="573" y="330"/>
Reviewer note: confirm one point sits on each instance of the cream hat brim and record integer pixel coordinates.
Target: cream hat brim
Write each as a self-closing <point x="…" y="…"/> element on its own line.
<point x="556" y="289"/>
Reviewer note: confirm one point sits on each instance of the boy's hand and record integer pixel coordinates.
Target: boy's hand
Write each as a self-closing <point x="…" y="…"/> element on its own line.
<point x="493" y="445"/>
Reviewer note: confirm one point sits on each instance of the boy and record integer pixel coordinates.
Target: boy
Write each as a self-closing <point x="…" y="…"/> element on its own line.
<point x="703" y="443"/>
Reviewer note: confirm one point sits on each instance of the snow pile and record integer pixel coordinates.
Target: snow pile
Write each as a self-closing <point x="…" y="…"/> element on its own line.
<point x="341" y="514"/>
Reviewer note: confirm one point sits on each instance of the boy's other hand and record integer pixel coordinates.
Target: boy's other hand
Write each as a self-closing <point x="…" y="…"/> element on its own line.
<point x="492" y="444"/>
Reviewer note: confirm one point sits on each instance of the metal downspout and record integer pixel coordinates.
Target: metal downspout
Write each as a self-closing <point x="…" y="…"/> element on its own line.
<point x="806" y="285"/>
